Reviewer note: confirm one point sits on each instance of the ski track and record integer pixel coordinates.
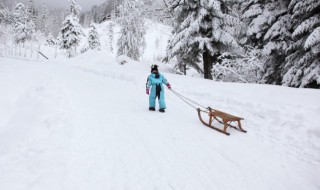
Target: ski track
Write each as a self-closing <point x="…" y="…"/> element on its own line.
<point x="75" y="126"/>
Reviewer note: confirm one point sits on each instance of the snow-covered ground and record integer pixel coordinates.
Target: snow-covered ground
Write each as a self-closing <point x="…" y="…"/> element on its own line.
<point x="83" y="123"/>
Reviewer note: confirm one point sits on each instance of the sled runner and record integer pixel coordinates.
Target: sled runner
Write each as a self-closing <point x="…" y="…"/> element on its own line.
<point x="223" y="118"/>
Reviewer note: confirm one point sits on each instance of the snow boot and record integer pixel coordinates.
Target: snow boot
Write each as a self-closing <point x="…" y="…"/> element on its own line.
<point x="161" y="110"/>
<point x="152" y="109"/>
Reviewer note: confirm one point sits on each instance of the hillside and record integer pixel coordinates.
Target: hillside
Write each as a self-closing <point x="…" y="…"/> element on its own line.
<point x="83" y="123"/>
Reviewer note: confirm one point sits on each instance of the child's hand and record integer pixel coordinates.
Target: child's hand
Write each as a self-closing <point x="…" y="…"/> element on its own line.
<point x="147" y="91"/>
<point x="169" y="86"/>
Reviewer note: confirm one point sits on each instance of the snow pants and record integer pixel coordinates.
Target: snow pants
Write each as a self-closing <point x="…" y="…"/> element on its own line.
<point x="157" y="91"/>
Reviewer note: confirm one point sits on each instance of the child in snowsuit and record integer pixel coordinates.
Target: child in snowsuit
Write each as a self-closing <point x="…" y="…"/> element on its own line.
<point x="155" y="81"/>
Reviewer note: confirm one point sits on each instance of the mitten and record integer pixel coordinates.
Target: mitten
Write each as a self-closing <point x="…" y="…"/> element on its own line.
<point x="147" y="91"/>
<point x="169" y="86"/>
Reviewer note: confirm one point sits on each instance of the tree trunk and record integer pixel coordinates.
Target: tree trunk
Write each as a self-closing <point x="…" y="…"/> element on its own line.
<point x="207" y="65"/>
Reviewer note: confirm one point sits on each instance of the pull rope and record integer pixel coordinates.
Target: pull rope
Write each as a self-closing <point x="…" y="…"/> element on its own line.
<point x="188" y="100"/>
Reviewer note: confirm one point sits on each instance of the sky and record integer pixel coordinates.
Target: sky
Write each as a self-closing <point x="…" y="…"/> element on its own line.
<point x="85" y="4"/>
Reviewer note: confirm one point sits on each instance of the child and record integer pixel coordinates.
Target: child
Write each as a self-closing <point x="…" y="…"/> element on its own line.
<point x="155" y="81"/>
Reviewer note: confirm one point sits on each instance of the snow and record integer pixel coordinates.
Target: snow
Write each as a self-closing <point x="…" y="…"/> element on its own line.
<point x="83" y="123"/>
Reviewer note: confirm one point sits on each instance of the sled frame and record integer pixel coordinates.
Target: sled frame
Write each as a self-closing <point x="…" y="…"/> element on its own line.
<point x="223" y="118"/>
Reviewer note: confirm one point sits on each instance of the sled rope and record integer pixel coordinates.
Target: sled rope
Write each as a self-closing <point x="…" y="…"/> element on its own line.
<point x="188" y="101"/>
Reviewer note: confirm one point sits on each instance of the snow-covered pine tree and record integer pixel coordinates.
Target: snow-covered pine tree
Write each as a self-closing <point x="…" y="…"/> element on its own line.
<point x="202" y="28"/>
<point x="55" y="19"/>
<point x="70" y="33"/>
<point x="267" y="28"/>
<point x="43" y="20"/>
<point x="94" y="38"/>
<point x="132" y="35"/>
<point x="302" y="68"/>
<point x="276" y="41"/>
<point x="50" y="40"/>
<point x="23" y="27"/>
<point x="1" y="13"/>
<point x="71" y="29"/>
<point x="74" y="8"/>
<point x="111" y="36"/>
<point x="32" y="12"/>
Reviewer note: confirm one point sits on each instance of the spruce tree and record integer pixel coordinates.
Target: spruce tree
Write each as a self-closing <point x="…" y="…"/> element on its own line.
<point x="94" y="38"/>
<point x="50" y="40"/>
<point x="74" y="8"/>
<point x="1" y="13"/>
<point x="32" y="12"/>
<point x="43" y="20"/>
<point x="132" y="35"/>
<point x="302" y="68"/>
<point x="71" y="29"/>
<point x="23" y="27"/>
<point x="268" y="29"/>
<point x="202" y="29"/>
<point x="70" y="33"/>
<point x="111" y="36"/>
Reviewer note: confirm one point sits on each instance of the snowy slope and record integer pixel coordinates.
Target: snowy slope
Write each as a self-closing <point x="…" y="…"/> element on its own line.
<point x="84" y="124"/>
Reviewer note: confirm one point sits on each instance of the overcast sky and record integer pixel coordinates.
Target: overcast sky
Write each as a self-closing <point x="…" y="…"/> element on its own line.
<point x="85" y="4"/>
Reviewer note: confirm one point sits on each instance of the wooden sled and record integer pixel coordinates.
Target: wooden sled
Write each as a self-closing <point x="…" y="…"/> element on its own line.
<point x="223" y="118"/>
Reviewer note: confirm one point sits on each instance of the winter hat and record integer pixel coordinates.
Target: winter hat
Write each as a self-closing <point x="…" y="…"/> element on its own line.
<point x="154" y="68"/>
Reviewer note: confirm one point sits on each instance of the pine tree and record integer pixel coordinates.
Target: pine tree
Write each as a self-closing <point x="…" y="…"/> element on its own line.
<point x="267" y="29"/>
<point x="1" y="13"/>
<point x="70" y="33"/>
<point x="71" y="29"/>
<point x="111" y="36"/>
<point x="50" y="40"/>
<point x="23" y="27"/>
<point x="55" y="21"/>
<point x="94" y="38"/>
<point x="32" y="12"/>
<point x="74" y="8"/>
<point x="302" y="68"/>
<point x="131" y="41"/>
<point x="202" y="28"/>
<point x="43" y="20"/>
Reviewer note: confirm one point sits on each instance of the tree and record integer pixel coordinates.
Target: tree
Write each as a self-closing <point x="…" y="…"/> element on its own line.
<point x="23" y="27"/>
<point x="94" y="38"/>
<point x="201" y="28"/>
<point x="131" y="41"/>
<point x="111" y="36"/>
<point x="1" y="13"/>
<point x="70" y="33"/>
<point x="302" y="68"/>
<point x="268" y="26"/>
<point x="43" y="20"/>
<point x="71" y="30"/>
<point x="50" y="40"/>
<point x="32" y="12"/>
<point x="74" y="8"/>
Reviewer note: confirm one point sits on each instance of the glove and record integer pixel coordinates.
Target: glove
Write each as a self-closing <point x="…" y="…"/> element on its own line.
<point x="169" y="86"/>
<point x="147" y="91"/>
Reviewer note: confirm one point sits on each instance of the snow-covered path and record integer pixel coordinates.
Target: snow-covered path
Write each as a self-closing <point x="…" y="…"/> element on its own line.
<point x="85" y="125"/>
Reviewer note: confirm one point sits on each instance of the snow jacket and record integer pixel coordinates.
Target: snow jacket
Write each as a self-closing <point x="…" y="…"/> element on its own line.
<point x="156" y="81"/>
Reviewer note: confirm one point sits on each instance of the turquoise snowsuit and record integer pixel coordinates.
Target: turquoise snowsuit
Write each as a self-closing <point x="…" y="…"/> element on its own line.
<point x="157" y="90"/>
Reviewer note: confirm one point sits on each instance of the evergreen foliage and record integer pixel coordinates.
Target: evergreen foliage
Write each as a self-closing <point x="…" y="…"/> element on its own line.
<point x="131" y="41"/>
<point x="202" y="28"/>
<point x="1" y="13"/>
<point x="50" y="40"/>
<point x="302" y="68"/>
<point x="23" y="27"/>
<point x="70" y="33"/>
<point x="94" y="38"/>
<point x="111" y="36"/>
<point x="74" y="8"/>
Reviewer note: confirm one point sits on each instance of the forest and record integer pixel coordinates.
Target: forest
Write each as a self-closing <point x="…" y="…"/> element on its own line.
<point x="247" y="41"/>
